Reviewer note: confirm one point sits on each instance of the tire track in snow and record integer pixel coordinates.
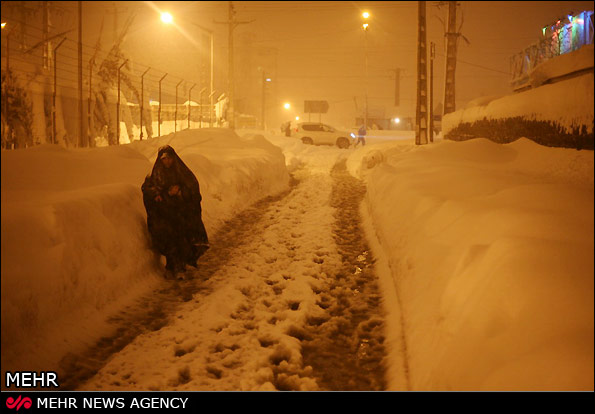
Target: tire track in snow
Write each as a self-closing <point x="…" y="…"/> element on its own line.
<point x="347" y="350"/>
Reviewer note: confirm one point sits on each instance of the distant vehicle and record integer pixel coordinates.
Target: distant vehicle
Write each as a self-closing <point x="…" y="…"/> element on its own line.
<point x="315" y="133"/>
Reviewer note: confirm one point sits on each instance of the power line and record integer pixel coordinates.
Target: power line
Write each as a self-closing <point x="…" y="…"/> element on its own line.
<point x="479" y="66"/>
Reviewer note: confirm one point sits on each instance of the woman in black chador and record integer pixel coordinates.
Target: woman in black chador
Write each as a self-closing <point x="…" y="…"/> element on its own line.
<point x="171" y="195"/>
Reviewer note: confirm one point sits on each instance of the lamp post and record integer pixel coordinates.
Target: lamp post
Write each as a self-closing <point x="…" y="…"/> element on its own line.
<point x="365" y="27"/>
<point x="168" y="19"/>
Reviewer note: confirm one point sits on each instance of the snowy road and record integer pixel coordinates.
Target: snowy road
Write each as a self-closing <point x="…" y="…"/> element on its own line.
<point x="286" y="299"/>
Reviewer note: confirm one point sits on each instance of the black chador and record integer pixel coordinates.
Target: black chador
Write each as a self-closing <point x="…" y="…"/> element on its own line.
<point x="171" y="195"/>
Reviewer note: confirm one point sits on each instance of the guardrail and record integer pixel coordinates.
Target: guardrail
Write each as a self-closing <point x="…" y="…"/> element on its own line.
<point x="564" y="36"/>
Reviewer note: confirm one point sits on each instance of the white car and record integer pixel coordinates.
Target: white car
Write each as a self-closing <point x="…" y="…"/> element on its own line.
<point x="320" y="134"/>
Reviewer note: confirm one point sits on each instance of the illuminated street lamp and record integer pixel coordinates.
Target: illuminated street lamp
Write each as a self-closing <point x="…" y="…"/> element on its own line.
<point x="286" y="105"/>
<point x="167" y="18"/>
<point x="365" y="26"/>
<point x="297" y="118"/>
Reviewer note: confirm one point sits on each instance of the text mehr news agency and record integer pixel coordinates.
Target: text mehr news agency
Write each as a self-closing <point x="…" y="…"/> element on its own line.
<point x="49" y="379"/>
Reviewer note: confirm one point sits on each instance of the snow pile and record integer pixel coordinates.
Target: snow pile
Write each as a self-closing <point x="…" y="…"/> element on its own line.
<point x="233" y="172"/>
<point x="74" y="238"/>
<point x="490" y="249"/>
<point x="568" y="103"/>
<point x="319" y="158"/>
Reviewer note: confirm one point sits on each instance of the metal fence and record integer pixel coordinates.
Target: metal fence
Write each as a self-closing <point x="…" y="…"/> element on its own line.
<point x="123" y="100"/>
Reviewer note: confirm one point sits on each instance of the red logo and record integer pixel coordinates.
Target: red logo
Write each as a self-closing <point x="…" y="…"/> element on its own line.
<point x="18" y="403"/>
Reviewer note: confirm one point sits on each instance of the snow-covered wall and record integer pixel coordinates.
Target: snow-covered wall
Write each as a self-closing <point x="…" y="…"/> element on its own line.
<point x="488" y="258"/>
<point x="558" y="114"/>
<point x="74" y="238"/>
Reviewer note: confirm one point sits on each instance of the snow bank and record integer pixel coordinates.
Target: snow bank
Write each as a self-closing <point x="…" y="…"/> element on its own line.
<point x="319" y="158"/>
<point x="558" y="114"/>
<point x="568" y="103"/>
<point x="490" y="249"/>
<point x="74" y="238"/>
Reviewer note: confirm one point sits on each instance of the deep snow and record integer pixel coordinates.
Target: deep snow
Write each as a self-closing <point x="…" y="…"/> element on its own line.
<point x="74" y="239"/>
<point x="490" y="250"/>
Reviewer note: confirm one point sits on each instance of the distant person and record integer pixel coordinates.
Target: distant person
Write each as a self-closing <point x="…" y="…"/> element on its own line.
<point x="361" y="136"/>
<point x="171" y="196"/>
<point x="288" y="129"/>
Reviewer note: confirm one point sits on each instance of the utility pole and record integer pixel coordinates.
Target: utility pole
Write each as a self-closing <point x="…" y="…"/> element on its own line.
<point x="451" y="58"/>
<point x="232" y="24"/>
<point x="366" y="59"/>
<point x="80" y="76"/>
<point x="431" y="106"/>
<point x="421" y="119"/>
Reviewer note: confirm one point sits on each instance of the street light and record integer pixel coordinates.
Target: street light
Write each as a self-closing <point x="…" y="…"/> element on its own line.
<point x="286" y="105"/>
<point x="168" y="19"/>
<point x="366" y="15"/>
